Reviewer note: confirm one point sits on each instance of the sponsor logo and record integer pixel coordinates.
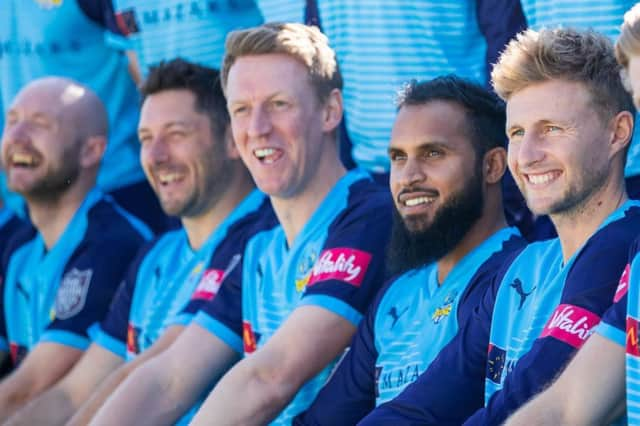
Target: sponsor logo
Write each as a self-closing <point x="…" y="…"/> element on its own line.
<point x="72" y="293"/>
<point x="571" y="324"/>
<point x="212" y="279"/>
<point x="342" y="264"/>
<point x="496" y="359"/>
<point x="632" y="337"/>
<point x="623" y="284"/>
<point x="49" y="4"/>
<point x="18" y="353"/>
<point x="249" y="338"/>
<point x="517" y="285"/>
<point x="395" y="316"/>
<point x="133" y="333"/>
<point x="304" y="270"/>
<point x="444" y="310"/>
<point x="397" y="378"/>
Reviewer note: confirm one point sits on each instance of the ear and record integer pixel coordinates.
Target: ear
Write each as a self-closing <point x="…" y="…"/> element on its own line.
<point x="332" y="111"/>
<point x="494" y="165"/>
<point x="92" y="151"/>
<point x="622" y="130"/>
<point x="229" y="145"/>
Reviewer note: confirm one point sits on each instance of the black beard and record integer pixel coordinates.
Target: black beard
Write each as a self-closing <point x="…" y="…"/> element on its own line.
<point x="410" y="249"/>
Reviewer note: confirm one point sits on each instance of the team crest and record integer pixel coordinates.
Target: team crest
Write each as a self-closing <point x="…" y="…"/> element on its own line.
<point x="72" y="293"/>
<point x="303" y="272"/>
<point x="444" y="310"/>
<point x="49" y="4"/>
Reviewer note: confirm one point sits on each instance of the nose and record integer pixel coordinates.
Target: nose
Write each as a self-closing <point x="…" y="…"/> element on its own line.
<point x="408" y="174"/>
<point x="528" y="151"/>
<point x="15" y="133"/>
<point x="259" y="123"/>
<point x="155" y="151"/>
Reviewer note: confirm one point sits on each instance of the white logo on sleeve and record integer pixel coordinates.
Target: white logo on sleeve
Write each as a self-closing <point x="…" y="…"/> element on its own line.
<point x="72" y="293"/>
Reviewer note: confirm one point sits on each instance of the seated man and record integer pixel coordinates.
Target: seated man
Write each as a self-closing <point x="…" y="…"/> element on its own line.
<point x="306" y="283"/>
<point x="569" y="121"/>
<point x="192" y="164"/>
<point x="448" y="239"/>
<point x="592" y="388"/>
<point x="59" y="283"/>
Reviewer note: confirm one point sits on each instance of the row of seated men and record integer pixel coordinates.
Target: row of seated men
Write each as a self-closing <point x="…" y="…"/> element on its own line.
<point x="245" y="314"/>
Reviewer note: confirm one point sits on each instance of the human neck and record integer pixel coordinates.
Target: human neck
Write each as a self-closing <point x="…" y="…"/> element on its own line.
<point x="52" y="216"/>
<point x="490" y="222"/>
<point x="576" y="227"/>
<point x="199" y="228"/>
<point x="294" y="213"/>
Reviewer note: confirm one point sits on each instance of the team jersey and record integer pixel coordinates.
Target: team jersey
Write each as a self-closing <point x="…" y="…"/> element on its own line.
<point x="544" y="311"/>
<point x="168" y="275"/>
<point x="382" y="44"/>
<point x="196" y="31"/>
<point x="410" y="321"/>
<point x="57" y="295"/>
<point x="336" y="262"/>
<point x="620" y="324"/>
<point x="40" y="38"/>
<point x="603" y="16"/>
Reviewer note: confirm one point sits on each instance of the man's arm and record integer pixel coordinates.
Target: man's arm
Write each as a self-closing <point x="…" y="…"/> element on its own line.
<point x="88" y="409"/>
<point x="43" y="367"/>
<point x="166" y="386"/>
<point x="588" y="392"/>
<point x="58" y="404"/>
<point x="261" y="385"/>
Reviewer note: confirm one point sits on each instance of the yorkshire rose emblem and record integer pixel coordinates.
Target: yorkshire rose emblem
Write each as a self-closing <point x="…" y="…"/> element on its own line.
<point x="72" y="293"/>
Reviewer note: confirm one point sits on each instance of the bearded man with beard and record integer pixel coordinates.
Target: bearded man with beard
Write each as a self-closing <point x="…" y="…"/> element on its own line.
<point x="59" y="282"/>
<point x="449" y="237"/>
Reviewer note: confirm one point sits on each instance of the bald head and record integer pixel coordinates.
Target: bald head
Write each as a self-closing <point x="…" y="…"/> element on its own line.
<point x="54" y="138"/>
<point x="73" y="103"/>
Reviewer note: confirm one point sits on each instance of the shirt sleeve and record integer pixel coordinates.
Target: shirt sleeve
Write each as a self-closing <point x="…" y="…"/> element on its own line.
<point x="351" y="266"/>
<point x="86" y="289"/>
<point x="613" y="324"/>
<point x="587" y="294"/>
<point x="100" y="12"/>
<point x="439" y="396"/>
<point x="350" y="392"/>
<point x="222" y="316"/>
<point x="499" y="22"/>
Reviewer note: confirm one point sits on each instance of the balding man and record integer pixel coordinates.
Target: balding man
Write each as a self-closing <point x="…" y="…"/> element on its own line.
<point x="58" y="282"/>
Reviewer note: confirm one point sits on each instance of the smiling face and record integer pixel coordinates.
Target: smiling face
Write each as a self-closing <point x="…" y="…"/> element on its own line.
<point x="40" y="149"/>
<point x="187" y="165"/>
<point x="277" y="122"/>
<point x="433" y="163"/>
<point x="558" y="152"/>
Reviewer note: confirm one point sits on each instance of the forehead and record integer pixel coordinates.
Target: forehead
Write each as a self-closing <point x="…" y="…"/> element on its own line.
<point x="167" y="106"/>
<point x="442" y="122"/>
<point x="40" y="101"/>
<point x="549" y="101"/>
<point x="258" y="76"/>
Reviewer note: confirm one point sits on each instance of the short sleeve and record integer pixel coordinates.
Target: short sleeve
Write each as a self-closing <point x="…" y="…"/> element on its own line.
<point x="85" y="291"/>
<point x="350" y="268"/>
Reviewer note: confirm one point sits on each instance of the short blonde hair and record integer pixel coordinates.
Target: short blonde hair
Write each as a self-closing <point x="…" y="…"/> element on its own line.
<point x="628" y="43"/>
<point x="304" y="43"/>
<point x="565" y="54"/>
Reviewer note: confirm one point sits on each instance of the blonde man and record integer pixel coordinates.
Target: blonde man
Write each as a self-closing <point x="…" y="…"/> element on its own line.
<point x="592" y="388"/>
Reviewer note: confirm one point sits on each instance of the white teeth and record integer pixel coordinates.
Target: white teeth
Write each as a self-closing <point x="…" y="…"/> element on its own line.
<point x="169" y="177"/>
<point x="540" y="179"/>
<point x="22" y="159"/>
<point x="264" y="152"/>
<point x="417" y="201"/>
